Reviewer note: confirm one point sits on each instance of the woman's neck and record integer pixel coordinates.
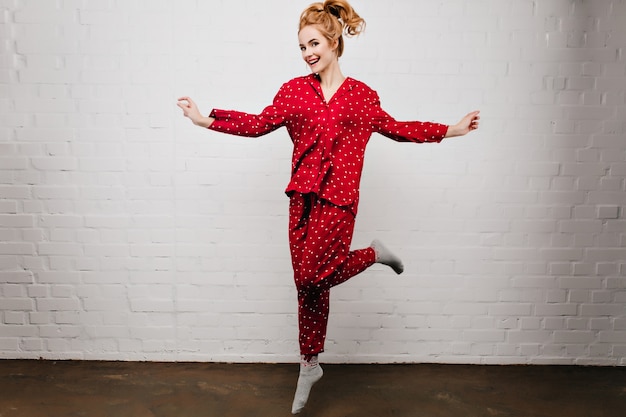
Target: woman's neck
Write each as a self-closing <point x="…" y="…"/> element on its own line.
<point x="332" y="77"/>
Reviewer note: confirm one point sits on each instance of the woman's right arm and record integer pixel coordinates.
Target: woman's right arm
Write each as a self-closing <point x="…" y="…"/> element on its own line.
<point x="239" y="123"/>
<point x="190" y="110"/>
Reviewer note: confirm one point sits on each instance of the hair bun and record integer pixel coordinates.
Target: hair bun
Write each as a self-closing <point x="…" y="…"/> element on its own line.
<point x="332" y="9"/>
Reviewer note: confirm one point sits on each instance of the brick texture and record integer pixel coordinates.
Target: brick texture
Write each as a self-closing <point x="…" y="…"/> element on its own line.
<point x="129" y="234"/>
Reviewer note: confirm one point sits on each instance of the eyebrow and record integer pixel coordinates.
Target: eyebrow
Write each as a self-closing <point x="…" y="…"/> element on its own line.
<point x="314" y="39"/>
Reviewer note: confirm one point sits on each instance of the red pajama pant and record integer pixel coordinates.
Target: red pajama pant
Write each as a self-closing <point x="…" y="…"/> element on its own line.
<point x="320" y="234"/>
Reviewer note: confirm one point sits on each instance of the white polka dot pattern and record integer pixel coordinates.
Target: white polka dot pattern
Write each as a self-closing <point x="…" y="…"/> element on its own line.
<point x="320" y="234"/>
<point x="329" y="137"/>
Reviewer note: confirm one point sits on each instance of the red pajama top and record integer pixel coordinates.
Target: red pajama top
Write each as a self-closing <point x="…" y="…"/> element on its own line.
<point x="329" y="137"/>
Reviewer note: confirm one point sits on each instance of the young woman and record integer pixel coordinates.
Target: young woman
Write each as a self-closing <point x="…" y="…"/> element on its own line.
<point x="330" y="119"/>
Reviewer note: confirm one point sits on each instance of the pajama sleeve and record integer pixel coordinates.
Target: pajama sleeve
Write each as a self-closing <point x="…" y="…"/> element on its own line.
<point x="251" y="125"/>
<point x="413" y="131"/>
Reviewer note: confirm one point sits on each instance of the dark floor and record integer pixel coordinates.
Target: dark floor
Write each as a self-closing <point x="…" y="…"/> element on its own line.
<point x="121" y="389"/>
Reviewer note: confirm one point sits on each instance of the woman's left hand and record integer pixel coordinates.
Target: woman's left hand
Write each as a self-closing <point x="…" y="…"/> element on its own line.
<point x="466" y="125"/>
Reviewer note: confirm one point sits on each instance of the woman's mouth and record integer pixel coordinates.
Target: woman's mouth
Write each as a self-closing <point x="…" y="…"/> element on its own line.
<point x="313" y="61"/>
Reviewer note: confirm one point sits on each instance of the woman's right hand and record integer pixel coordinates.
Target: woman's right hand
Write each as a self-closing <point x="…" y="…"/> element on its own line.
<point x="190" y="110"/>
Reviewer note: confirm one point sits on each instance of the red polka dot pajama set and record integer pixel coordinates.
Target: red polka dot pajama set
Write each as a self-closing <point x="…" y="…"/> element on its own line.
<point x="329" y="140"/>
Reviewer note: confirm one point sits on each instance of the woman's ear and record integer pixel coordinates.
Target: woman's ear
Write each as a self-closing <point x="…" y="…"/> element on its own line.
<point x="335" y="45"/>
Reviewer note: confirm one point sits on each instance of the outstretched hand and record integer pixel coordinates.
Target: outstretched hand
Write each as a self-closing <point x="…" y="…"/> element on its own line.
<point x="466" y="125"/>
<point x="190" y="109"/>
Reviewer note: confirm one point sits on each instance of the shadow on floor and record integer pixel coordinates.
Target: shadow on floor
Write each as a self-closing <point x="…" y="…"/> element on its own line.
<point x="137" y="389"/>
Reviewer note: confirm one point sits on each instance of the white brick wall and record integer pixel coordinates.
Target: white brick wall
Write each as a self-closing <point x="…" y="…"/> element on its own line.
<point x="128" y="234"/>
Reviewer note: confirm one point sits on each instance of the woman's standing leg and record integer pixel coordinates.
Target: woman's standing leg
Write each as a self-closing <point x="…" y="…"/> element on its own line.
<point x="320" y="235"/>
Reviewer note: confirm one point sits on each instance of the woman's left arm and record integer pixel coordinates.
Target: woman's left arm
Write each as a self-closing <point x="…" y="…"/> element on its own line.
<point x="416" y="131"/>
<point x="466" y="125"/>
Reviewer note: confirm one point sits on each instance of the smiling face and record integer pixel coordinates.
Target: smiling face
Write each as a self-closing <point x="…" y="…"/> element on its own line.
<point x="317" y="51"/>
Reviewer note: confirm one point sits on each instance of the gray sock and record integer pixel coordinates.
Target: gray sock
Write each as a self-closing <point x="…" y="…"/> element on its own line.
<point x="386" y="257"/>
<point x="310" y="373"/>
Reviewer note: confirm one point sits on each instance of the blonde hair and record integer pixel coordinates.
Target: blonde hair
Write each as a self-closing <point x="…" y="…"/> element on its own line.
<point x="333" y="18"/>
